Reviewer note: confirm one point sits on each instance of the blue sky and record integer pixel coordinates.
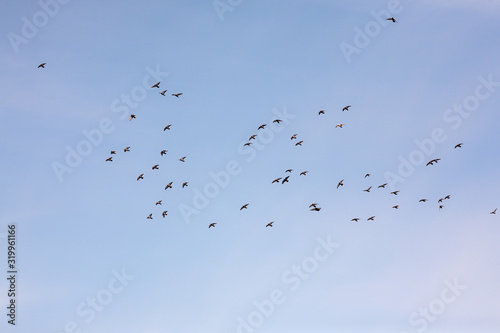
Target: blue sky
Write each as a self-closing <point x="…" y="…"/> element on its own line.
<point x="82" y="232"/>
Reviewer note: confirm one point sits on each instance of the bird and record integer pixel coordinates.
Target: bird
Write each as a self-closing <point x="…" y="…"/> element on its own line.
<point x="184" y="184"/>
<point x="494" y="212"/>
<point x="109" y="159"/>
<point x="113" y="152"/>
<point x="158" y="203"/>
<point x="163" y="92"/>
<point x="169" y="185"/>
<point x="313" y="205"/>
<point x="155" y="167"/>
<point x="356" y="219"/>
<point x="277" y="180"/>
<point x="141" y="176"/>
<point x="392" y="19"/>
<point x="370" y="218"/>
<point x="367" y="175"/>
<point x="321" y="112"/>
<point x="395" y="207"/>
<point x="303" y="173"/>
<point x="247" y="144"/>
<point x="459" y="145"/>
<point x="245" y="206"/>
<point x="431" y="162"/>
<point x="289" y="170"/>
<point x="150" y="216"/>
<point x="42" y="65"/>
<point x="299" y="143"/>
<point x="167" y="127"/>
<point x="270" y="224"/>
<point x="294" y="137"/>
<point x="346" y="108"/>
<point x="126" y="149"/>
<point x="341" y="183"/>
<point x="422" y="200"/>
<point x="182" y="159"/>
<point x="132" y="116"/>
<point x="177" y="95"/>
<point x="277" y="121"/>
<point x="163" y="152"/>
<point x="382" y="186"/>
<point x="441" y="207"/>
<point x="447" y="197"/>
<point x="252" y="137"/>
<point x="368" y="189"/>
<point x="164" y="213"/>
<point x="395" y="192"/>
<point x="339" y="125"/>
<point x="211" y="225"/>
<point x="261" y="126"/>
<point x="156" y="85"/>
<point x="315" y="209"/>
<point x="285" y="180"/>
<point x="440" y="200"/>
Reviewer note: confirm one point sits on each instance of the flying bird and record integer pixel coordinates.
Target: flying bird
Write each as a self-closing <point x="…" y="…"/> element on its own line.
<point x="277" y="180"/>
<point x="177" y="95"/>
<point x="109" y="159"/>
<point x="270" y="224"/>
<point x="370" y="218"/>
<point x="459" y="145"/>
<point x="367" y="175"/>
<point x="277" y="121"/>
<point x="341" y="183"/>
<point x="132" y="116"/>
<point x="368" y="189"/>
<point x="447" y="197"/>
<point x="167" y="127"/>
<point x="141" y="176"/>
<point x="150" y="216"/>
<point x="261" y="126"/>
<point x="211" y="225"/>
<point x="346" y="108"/>
<point x="395" y="192"/>
<point x="156" y="85"/>
<point x="182" y="159"/>
<point x="158" y="203"/>
<point x="126" y="149"/>
<point x="441" y="207"/>
<point x="289" y="170"/>
<point x="247" y="144"/>
<point x="293" y="137"/>
<point x="42" y="65"/>
<point x="163" y="152"/>
<point x="252" y="137"/>
<point x="382" y="186"/>
<point x="339" y="125"/>
<point x="395" y="207"/>
<point x="431" y="162"/>
<point x="303" y="173"/>
<point x="164" y="214"/>
<point x="440" y="200"/>
<point x="313" y="205"/>
<point x="321" y="112"/>
<point x="285" y="180"/>
<point x="184" y="184"/>
<point x="422" y="200"/>
<point x="155" y="167"/>
<point x="245" y="206"/>
<point x="392" y="19"/>
<point x="113" y="152"/>
<point x="169" y="185"/>
<point x="494" y="212"/>
<point x="163" y="92"/>
<point x="356" y="219"/>
<point x="299" y="143"/>
<point x="315" y="209"/>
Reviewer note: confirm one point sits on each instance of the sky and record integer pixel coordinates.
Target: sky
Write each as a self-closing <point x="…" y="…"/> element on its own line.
<point x="87" y="258"/>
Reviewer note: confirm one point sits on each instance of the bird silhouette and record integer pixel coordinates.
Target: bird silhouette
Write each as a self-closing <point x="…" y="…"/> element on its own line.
<point x="163" y="152"/>
<point x="184" y="184"/>
<point x="132" y="116"/>
<point x="247" y="144"/>
<point x="422" y="200"/>
<point x="395" y="192"/>
<point x="339" y="125"/>
<point x="494" y="212"/>
<point x="447" y="197"/>
<point x="156" y="85"/>
<point x="346" y="108"/>
<point x="395" y="207"/>
<point x="155" y="167"/>
<point x="158" y="203"/>
<point x="441" y="207"/>
<point x="150" y="216"/>
<point x="382" y="186"/>
<point x="315" y="209"/>
<point x="109" y="159"/>
<point x="294" y="137"/>
<point x="245" y="206"/>
<point x="42" y="65"/>
<point x="356" y="219"/>
<point x="321" y="112"/>
<point x="367" y="175"/>
<point x="141" y="176"/>
<point x="277" y="180"/>
<point x="169" y="185"/>
<point x="371" y="218"/>
<point x="270" y="224"/>
<point x="182" y="159"/>
<point x="313" y="205"/>
<point x="164" y="213"/>
<point x="113" y="152"/>
<point x="458" y="145"/>
<point x="177" y="95"/>
<point x="252" y="137"/>
<point x="368" y="189"/>
<point x="285" y="180"/>
<point x="303" y="173"/>
<point x="341" y="183"/>
<point x="277" y="121"/>
<point x="126" y="149"/>
<point x="289" y="170"/>
<point x="211" y="225"/>
<point x="261" y="126"/>
<point x="163" y="92"/>
<point x="299" y="143"/>
<point x="392" y="19"/>
<point x="167" y="127"/>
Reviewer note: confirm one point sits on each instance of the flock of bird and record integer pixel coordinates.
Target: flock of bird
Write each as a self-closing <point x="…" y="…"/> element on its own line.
<point x="314" y="207"/>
